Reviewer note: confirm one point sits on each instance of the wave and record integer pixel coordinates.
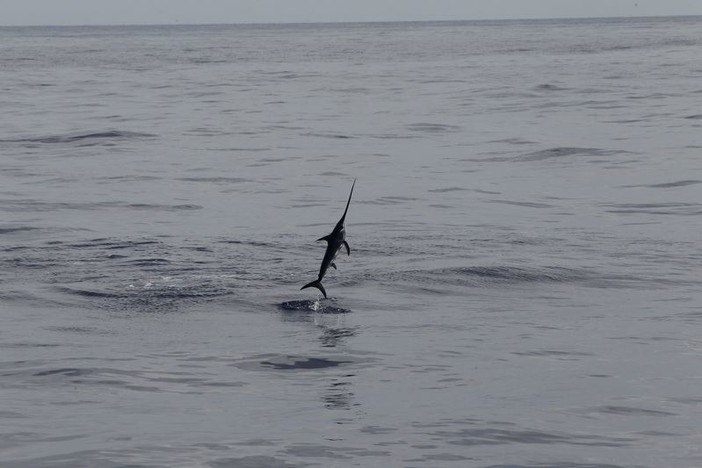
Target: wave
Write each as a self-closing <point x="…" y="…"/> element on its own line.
<point x="475" y="436"/>
<point x="681" y="209"/>
<point x="50" y="206"/>
<point x="337" y="136"/>
<point x="215" y="180"/>
<point x="148" y="262"/>
<point x="432" y="127"/>
<point x="517" y="274"/>
<point x="629" y="411"/>
<point x="86" y="292"/>
<point x="138" y="380"/>
<point x="108" y="243"/>
<point x="436" y="280"/>
<point x="522" y="204"/>
<point x="13" y="230"/>
<point x="449" y="189"/>
<point x="152" y="206"/>
<point x="678" y="183"/>
<point x="162" y="294"/>
<point x="70" y="372"/>
<point x="549" y="87"/>
<point x="560" y="152"/>
<point x="87" y="138"/>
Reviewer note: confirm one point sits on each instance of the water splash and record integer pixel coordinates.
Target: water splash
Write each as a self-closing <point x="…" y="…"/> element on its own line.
<point x="321" y="306"/>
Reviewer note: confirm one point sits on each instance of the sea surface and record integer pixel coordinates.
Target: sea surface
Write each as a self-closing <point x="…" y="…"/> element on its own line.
<point x="524" y="287"/>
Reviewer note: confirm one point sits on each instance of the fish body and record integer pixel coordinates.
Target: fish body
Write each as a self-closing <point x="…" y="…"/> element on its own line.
<point x="335" y="241"/>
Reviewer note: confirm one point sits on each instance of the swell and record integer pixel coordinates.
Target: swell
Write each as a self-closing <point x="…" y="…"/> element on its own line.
<point x="500" y="276"/>
<point x="41" y="374"/>
<point x="52" y="206"/>
<point x="669" y="208"/>
<point x="664" y="185"/>
<point x="17" y="229"/>
<point x="82" y="139"/>
<point x="146" y="296"/>
<point x="143" y="274"/>
<point x="562" y="152"/>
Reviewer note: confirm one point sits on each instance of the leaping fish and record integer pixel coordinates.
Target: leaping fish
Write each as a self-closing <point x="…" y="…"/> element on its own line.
<point x="335" y="240"/>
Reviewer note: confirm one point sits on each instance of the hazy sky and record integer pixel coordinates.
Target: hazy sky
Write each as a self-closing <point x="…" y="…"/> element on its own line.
<point x="30" y="12"/>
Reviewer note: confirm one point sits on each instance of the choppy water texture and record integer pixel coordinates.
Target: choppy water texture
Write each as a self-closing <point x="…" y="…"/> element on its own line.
<point x="524" y="286"/>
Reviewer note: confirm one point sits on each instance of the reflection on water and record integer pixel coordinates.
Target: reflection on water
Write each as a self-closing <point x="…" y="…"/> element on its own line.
<point x="332" y="337"/>
<point x="339" y="394"/>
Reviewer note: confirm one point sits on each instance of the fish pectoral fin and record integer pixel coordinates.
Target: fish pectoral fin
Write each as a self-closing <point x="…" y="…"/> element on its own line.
<point x="334" y="265"/>
<point x="348" y="249"/>
<point x="325" y="238"/>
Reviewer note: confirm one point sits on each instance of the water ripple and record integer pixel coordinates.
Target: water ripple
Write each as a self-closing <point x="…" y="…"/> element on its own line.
<point x="82" y="139"/>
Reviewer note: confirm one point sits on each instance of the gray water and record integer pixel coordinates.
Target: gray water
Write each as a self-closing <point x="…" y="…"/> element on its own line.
<point x="524" y="285"/>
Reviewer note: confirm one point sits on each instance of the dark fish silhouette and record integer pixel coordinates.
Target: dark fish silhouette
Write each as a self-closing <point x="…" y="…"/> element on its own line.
<point x="335" y="241"/>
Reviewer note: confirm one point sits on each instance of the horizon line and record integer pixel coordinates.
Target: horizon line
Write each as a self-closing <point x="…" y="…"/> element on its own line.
<point x="281" y="23"/>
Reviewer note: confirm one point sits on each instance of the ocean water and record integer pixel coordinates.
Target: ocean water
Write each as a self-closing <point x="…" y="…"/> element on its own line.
<point x="524" y="287"/>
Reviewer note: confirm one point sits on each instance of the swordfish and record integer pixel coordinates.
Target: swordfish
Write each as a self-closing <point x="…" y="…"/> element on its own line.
<point x="335" y="240"/>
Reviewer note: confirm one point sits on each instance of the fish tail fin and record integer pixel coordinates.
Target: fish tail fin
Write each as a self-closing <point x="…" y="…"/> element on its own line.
<point x="315" y="284"/>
